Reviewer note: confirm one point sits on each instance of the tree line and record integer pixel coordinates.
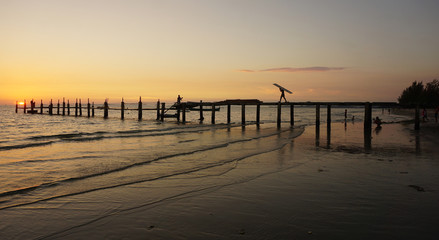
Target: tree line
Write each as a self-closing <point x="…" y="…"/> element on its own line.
<point x="421" y="95"/>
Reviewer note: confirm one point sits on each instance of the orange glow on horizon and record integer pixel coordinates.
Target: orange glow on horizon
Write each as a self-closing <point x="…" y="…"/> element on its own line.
<point x="21" y="103"/>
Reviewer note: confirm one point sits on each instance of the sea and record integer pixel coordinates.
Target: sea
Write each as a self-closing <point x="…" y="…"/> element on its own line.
<point x="45" y="157"/>
<point x="51" y="157"/>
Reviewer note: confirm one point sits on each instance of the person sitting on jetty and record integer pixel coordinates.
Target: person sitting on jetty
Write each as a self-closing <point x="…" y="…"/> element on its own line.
<point x="378" y="122"/>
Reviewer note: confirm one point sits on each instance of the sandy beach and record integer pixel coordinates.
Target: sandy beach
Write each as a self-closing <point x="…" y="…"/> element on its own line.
<point x="309" y="189"/>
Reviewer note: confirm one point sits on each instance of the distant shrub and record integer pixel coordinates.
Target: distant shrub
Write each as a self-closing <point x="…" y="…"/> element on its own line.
<point x="419" y="95"/>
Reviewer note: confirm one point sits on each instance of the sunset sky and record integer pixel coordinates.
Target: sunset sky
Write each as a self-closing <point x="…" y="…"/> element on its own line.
<point x="327" y="50"/>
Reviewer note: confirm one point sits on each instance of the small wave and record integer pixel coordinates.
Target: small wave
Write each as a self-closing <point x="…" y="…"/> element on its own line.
<point x="49" y="160"/>
<point x="4" y="148"/>
<point x="207" y="148"/>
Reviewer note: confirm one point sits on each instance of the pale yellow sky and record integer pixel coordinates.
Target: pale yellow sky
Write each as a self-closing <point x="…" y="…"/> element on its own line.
<point x="321" y="50"/>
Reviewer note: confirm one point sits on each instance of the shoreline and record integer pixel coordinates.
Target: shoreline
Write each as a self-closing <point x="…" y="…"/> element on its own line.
<point x="308" y="189"/>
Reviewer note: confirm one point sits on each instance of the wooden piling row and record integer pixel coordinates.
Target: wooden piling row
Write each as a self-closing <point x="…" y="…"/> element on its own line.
<point x="182" y="108"/>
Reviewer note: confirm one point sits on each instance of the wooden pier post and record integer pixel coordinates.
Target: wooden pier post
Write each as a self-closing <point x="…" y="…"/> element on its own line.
<point x="242" y="114"/>
<point x="76" y="108"/>
<point x="317" y="115"/>
<point x="68" y="107"/>
<point x="32" y="105"/>
<point x="158" y="110"/>
<point x="279" y="115"/>
<point x="88" y="107"/>
<point x="177" y="107"/>
<point x="16" y="106"/>
<point x="24" y="106"/>
<point x="213" y="113"/>
<point x="292" y="115"/>
<point x="63" y="106"/>
<point x="258" y="114"/>
<point x="183" y="106"/>
<point x="201" y="111"/>
<point x="80" y="107"/>
<point x="57" y="108"/>
<point x="140" y="109"/>
<point x="41" y="107"/>
<point x="367" y="116"/>
<point x="417" y="119"/>
<point x="51" y="107"/>
<point x="105" y="109"/>
<point x="328" y="116"/>
<point x="93" y="109"/>
<point x="162" y="115"/>
<point x="122" y="110"/>
<point x="228" y="113"/>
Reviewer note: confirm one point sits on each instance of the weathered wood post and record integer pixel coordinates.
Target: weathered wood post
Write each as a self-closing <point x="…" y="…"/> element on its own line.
<point x="93" y="109"/>
<point x="158" y="110"/>
<point x="417" y="119"/>
<point x="51" y="107"/>
<point x="328" y="125"/>
<point x="122" y="110"/>
<point x="258" y="114"/>
<point x="228" y="113"/>
<point x="68" y="107"/>
<point x="183" y="107"/>
<point x="80" y="107"/>
<point x="367" y="126"/>
<point x="317" y="115"/>
<point x="57" y="108"/>
<point x="105" y="109"/>
<point x="291" y="115"/>
<point x="178" y="108"/>
<point x="32" y="105"/>
<point x="88" y="107"/>
<point x="201" y="111"/>
<point x="242" y="114"/>
<point x="24" y="106"/>
<point x="140" y="109"/>
<point x="328" y="116"/>
<point x="213" y="113"/>
<point x="41" y="107"/>
<point x="16" y="106"/>
<point x="76" y="108"/>
<point x="367" y="116"/>
<point x="162" y="115"/>
<point x="63" y="106"/>
<point x="279" y="115"/>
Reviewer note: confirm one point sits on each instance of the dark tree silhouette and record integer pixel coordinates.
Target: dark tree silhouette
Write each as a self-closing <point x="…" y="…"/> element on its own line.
<point x="418" y="95"/>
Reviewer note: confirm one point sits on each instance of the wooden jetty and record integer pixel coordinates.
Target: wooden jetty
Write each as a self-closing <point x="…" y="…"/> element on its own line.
<point x="179" y="110"/>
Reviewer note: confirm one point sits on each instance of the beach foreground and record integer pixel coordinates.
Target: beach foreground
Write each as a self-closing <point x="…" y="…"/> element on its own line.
<point x="312" y="188"/>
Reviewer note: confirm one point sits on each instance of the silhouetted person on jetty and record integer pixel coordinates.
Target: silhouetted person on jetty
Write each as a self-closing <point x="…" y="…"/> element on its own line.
<point x="178" y="103"/>
<point x="282" y="95"/>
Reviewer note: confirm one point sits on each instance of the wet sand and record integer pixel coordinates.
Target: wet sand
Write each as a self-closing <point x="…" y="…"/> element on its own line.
<point x="310" y="189"/>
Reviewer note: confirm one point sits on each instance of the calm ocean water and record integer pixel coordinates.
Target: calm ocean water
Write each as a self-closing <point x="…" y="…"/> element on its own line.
<point x="46" y="157"/>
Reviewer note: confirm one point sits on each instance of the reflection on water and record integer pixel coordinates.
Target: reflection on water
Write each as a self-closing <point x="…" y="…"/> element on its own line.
<point x="368" y="139"/>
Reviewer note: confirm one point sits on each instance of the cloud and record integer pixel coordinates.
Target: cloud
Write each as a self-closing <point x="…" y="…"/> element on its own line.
<point x="293" y="70"/>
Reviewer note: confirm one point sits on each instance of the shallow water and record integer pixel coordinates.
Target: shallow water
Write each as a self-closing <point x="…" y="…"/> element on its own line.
<point x="66" y="164"/>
